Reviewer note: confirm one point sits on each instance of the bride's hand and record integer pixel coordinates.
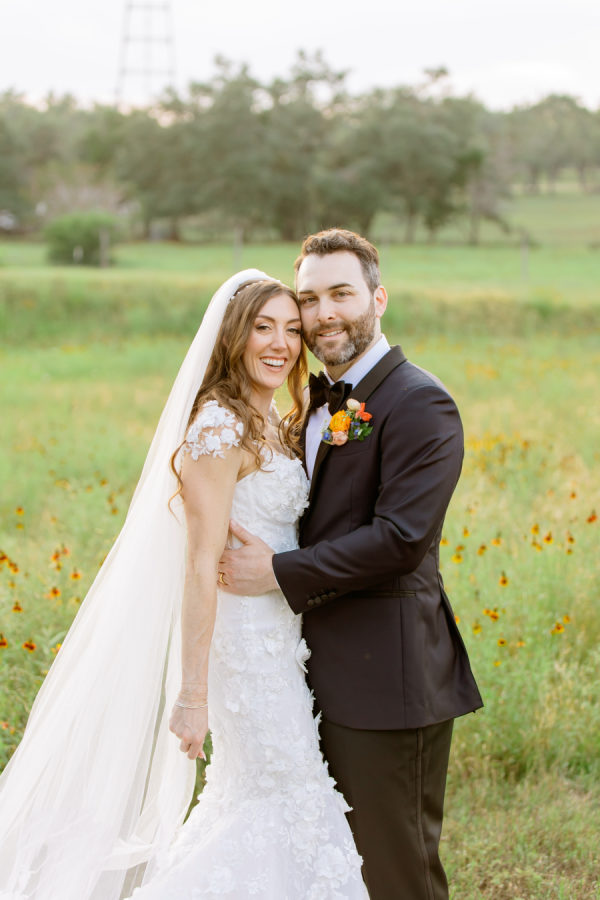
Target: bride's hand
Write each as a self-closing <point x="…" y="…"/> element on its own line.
<point x="191" y="726"/>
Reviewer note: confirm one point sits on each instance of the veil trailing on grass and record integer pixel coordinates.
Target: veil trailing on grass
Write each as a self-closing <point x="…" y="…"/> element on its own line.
<point x="98" y="785"/>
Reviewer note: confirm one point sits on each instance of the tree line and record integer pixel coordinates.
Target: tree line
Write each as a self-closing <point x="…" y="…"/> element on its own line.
<point x="290" y="156"/>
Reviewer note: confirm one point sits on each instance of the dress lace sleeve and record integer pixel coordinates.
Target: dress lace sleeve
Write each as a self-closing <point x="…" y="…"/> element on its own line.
<point x="214" y="430"/>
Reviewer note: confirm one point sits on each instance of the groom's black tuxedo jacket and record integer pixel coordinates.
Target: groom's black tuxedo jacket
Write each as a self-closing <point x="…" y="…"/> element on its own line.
<point x="385" y="649"/>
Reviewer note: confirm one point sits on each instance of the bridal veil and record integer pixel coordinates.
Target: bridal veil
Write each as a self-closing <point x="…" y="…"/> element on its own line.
<point x="98" y="785"/>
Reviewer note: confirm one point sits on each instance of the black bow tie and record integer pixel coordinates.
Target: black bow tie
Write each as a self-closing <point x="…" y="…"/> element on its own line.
<point x="322" y="392"/>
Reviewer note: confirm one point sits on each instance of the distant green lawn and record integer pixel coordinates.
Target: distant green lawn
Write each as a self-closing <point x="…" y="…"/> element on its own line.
<point x="564" y="218"/>
<point x="555" y="274"/>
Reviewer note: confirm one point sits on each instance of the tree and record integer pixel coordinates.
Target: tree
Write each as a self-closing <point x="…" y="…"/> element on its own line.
<point x="416" y="157"/>
<point x="231" y="157"/>
<point x="297" y="125"/>
<point x="48" y="139"/>
<point x="483" y="163"/>
<point x="101" y="135"/>
<point x="13" y="174"/>
<point x="350" y="177"/>
<point x="153" y="162"/>
<point x="549" y="136"/>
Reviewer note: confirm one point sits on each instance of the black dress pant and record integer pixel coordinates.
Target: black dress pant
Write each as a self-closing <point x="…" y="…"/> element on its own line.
<point x="395" y="782"/>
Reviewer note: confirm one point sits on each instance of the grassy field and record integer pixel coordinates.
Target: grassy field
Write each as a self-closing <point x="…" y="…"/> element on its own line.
<point x="86" y="361"/>
<point x="557" y="273"/>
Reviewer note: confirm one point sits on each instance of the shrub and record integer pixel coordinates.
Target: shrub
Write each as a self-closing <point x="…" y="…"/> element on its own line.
<point x="81" y="238"/>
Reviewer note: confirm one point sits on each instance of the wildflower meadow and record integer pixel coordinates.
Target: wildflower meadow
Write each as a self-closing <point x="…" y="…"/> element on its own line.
<point x="86" y="362"/>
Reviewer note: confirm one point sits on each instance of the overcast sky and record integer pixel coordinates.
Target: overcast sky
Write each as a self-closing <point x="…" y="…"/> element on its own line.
<point x="504" y="51"/>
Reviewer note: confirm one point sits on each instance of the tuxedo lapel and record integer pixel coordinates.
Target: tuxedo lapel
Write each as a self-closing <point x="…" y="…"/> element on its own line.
<point x="392" y="359"/>
<point x="322" y="452"/>
<point x="361" y="392"/>
<point x="303" y="441"/>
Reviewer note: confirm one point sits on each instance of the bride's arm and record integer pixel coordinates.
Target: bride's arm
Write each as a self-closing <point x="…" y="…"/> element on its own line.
<point x="208" y="486"/>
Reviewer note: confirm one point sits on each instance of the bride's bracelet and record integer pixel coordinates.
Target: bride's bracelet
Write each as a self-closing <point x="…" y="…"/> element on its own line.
<point x="192" y="695"/>
<point x="191" y="705"/>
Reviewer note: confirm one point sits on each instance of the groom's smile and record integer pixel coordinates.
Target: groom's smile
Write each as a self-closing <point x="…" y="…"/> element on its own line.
<point x="330" y="334"/>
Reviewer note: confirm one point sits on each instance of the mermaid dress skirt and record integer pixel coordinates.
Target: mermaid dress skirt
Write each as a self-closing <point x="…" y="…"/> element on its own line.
<point x="269" y="823"/>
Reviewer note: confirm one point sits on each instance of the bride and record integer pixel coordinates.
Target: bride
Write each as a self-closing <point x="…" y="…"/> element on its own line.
<point x="93" y="800"/>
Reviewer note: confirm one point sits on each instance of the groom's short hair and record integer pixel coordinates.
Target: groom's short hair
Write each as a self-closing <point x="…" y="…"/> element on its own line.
<point x="335" y="240"/>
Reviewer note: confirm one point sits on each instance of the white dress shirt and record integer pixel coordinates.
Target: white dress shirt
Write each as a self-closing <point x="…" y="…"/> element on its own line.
<point x="319" y="417"/>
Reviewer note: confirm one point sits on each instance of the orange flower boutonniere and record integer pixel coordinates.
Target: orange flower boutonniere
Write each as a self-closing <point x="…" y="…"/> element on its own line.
<point x="350" y="424"/>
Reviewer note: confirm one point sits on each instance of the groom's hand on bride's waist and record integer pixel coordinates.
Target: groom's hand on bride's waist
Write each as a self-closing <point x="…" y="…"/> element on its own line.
<point x="247" y="570"/>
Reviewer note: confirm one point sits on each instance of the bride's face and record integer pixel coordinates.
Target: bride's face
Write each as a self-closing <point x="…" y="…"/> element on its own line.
<point x="274" y="344"/>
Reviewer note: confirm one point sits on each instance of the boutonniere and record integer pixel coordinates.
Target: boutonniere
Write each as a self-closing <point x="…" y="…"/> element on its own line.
<point x="350" y="424"/>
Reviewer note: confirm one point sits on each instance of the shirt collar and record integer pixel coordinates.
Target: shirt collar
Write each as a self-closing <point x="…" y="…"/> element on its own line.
<point x="363" y="366"/>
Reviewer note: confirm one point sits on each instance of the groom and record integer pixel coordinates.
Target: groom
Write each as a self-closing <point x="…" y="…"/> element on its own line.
<point x="388" y="666"/>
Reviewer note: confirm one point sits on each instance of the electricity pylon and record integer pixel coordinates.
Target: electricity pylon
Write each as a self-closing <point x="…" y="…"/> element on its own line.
<point x="147" y="52"/>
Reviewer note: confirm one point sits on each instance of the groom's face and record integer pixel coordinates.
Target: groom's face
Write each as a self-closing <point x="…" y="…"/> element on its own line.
<point x="340" y="315"/>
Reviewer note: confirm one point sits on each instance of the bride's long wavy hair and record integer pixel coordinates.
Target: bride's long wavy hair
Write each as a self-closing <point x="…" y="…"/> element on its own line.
<point x="227" y="380"/>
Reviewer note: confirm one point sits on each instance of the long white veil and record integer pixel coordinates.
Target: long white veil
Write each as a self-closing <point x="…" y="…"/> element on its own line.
<point x="97" y="787"/>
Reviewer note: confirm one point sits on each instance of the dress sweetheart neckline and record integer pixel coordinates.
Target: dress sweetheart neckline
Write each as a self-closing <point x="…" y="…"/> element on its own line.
<point x="292" y="459"/>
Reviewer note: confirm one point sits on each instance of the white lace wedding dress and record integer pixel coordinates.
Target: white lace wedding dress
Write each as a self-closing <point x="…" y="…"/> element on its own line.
<point x="269" y="824"/>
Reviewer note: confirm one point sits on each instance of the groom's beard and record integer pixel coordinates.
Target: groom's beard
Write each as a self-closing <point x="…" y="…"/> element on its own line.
<point x="358" y="335"/>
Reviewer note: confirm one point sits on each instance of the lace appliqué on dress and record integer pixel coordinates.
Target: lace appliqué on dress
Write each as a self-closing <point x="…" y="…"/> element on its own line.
<point x="214" y="430"/>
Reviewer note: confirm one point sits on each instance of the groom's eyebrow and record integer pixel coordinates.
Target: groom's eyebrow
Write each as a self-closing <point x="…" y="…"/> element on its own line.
<point x="333" y="287"/>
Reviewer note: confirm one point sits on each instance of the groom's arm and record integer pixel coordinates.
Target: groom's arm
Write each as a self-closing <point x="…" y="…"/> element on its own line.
<point x="421" y="458"/>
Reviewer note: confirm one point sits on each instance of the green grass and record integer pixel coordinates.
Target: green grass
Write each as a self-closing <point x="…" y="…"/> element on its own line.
<point x="82" y="389"/>
<point x="565" y="274"/>
<point x="571" y="219"/>
<point x="534" y="839"/>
